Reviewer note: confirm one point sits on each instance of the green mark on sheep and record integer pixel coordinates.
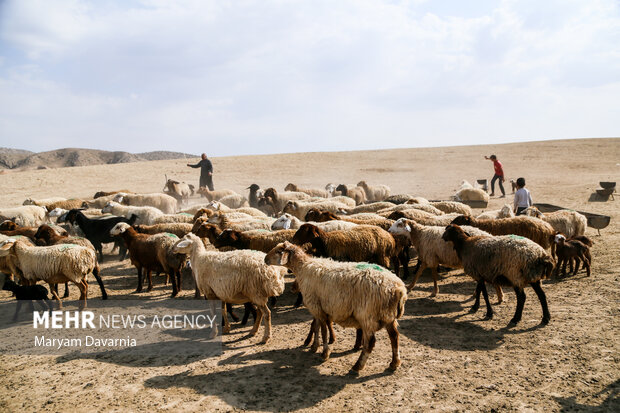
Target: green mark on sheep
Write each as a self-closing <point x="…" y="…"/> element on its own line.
<point x="170" y="235"/>
<point x="516" y="236"/>
<point x="186" y="214"/>
<point x="372" y="266"/>
<point x="67" y="246"/>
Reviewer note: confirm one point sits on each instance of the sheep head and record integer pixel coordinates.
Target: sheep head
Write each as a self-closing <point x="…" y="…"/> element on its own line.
<point x="184" y="245"/>
<point x="463" y="220"/>
<point x="400" y="227"/>
<point x="119" y="228"/>
<point x="271" y="193"/>
<point x="313" y="215"/>
<point x="306" y="233"/>
<point x="227" y="238"/>
<point x="108" y="207"/>
<point x="290" y="187"/>
<point x="8" y="225"/>
<point x="291" y="206"/>
<point x="280" y="254"/>
<point x="342" y="188"/>
<point x="560" y="239"/>
<point x="363" y="184"/>
<point x="283" y="222"/>
<point x="29" y="201"/>
<point x="6" y="246"/>
<point x="253" y="187"/>
<point x="203" y="212"/>
<point x="56" y="212"/>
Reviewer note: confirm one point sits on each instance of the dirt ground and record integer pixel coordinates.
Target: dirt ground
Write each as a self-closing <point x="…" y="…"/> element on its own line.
<point x="451" y="360"/>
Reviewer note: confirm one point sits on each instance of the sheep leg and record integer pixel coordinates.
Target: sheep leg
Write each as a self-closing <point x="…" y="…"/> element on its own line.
<point x="104" y="294"/>
<point x="55" y="294"/>
<point x="226" y="328"/>
<point x="248" y="309"/>
<point x="140" y="278"/>
<point x="435" y="278"/>
<point x="392" y="330"/>
<point x="196" y="292"/>
<point x="178" y="277"/>
<point x="175" y="284"/>
<point x="149" y="275"/>
<point x="257" y="320"/>
<point x="489" y="314"/>
<point x="476" y="305"/>
<point x="19" y="306"/>
<point x="368" y="341"/>
<point x="264" y="309"/>
<point x="299" y="301"/>
<point x="421" y="269"/>
<point x="310" y="334"/>
<point x="273" y="301"/>
<point x="500" y="294"/>
<point x="520" y="303"/>
<point x="332" y="335"/>
<point x="358" y="339"/>
<point x="83" y="287"/>
<point x="315" y="333"/>
<point x="543" y="301"/>
<point x="66" y="294"/>
<point x="229" y="310"/>
<point x="326" y="351"/>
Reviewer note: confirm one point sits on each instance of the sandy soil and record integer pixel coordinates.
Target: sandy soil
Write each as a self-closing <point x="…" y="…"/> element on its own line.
<point x="452" y="360"/>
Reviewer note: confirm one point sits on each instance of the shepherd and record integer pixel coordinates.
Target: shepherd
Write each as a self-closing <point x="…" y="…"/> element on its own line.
<point x="206" y="172"/>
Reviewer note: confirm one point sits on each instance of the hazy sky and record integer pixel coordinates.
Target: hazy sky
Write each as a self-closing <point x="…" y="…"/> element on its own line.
<point x="246" y="77"/>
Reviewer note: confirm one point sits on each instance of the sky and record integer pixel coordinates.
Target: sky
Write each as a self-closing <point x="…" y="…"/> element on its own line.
<point x="277" y="76"/>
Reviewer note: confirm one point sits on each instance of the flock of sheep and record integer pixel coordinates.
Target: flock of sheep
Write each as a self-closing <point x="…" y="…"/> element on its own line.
<point x="344" y="245"/>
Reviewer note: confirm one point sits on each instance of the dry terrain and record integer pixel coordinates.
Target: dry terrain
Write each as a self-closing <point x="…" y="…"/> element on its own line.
<point x="452" y="360"/>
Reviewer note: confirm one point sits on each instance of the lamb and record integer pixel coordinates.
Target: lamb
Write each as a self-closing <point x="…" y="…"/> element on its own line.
<point x="299" y="208"/>
<point x="150" y="253"/>
<point x="255" y="193"/>
<point x="363" y="296"/>
<point x="449" y="207"/>
<point x="432" y="250"/>
<point x="97" y="231"/>
<point x="100" y="194"/>
<point x="234" y="277"/>
<point x="234" y="201"/>
<point x="164" y="203"/>
<point x="26" y="293"/>
<point x="472" y="194"/>
<point x="567" y="222"/>
<point x="54" y="264"/>
<point x="567" y="250"/>
<point x="263" y="241"/>
<point x="322" y="193"/>
<point x="181" y="217"/>
<point x="67" y="204"/>
<point x="178" y="190"/>
<point x="505" y="212"/>
<point x="372" y="207"/>
<point x="535" y="229"/>
<point x="358" y="194"/>
<point x="146" y="215"/>
<point x="180" y="229"/>
<point x="322" y="216"/>
<point x="215" y="195"/>
<point x="46" y="235"/>
<point x="503" y="260"/>
<point x="376" y="192"/>
<point x="27" y="215"/>
<point x="288" y="221"/>
<point x="362" y="243"/>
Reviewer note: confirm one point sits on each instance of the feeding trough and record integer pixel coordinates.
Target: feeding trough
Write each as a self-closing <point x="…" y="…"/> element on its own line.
<point x="607" y="185"/>
<point x="476" y="204"/>
<point x="596" y="221"/>
<point x="484" y="184"/>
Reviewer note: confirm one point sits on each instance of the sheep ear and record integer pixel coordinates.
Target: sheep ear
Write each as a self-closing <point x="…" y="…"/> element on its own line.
<point x="408" y="227"/>
<point x="284" y="257"/>
<point x="287" y="224"/>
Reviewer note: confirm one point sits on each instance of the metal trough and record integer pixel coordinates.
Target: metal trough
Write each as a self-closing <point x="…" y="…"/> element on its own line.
<point x="607" y="185"/>
<point x="596" y="221"/>
<point x="476" y="204"/>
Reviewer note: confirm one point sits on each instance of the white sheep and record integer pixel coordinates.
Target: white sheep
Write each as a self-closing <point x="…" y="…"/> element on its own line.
<point x="374" y="193"/>
<point x="300" y="208"/>
<point x="163" y="202"/>
<point x="26" y="215"/>
<point x="234" y="201"/>
<point x="288" y="221"/>
<point x="568" y="222"/>
<point x="146" y="215"/>
<point x="449" y="207"/>
<point x="505" y="212"/>
<point x="359" y="295"/>
<point x="54" y="264"/>
<point x="234" y="277"/>
<point x="322" y="193"/>
<point x="471" y="194"/>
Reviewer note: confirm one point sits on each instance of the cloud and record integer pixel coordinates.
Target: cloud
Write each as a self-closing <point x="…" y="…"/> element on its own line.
<point x="276" y="76"/>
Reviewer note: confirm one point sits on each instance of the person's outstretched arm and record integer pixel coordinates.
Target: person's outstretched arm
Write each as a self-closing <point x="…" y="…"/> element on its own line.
<point x="194" y="166"/>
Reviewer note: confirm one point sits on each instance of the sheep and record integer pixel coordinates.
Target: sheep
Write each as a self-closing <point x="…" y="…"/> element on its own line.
<point x="100" y="194"/>
<point x="181" y="217"/>
<point x="449" y="207"/>
<point x="505" y="212"/>
<point x="46" y="235"/>
<point x="146" y="215"/>
<point x="100" y="202"/>
<point x="8" y="264"/>
<point x="164" y="203"/>
<point x="54" y="264"/>
<point x="42" y="202"/>
<point x="299" y="208"/>
<point x="255" y="194"/>
<point x="234" y="277"/>
<point x="567" y="222"/>
<point x="359" y="295"/>
<point x="178" y="190"/>
<point x="26" y="293"/>
<point x="225" y="222"/>
<point x="11" y="229"/>
<point x="322" y="216"/>
<point x="331" y="190"/>
<point x="149" y="253"/>
<point x="97" y="231"/>
<point x="567" y="250"/>
<point x="357" y="194"/>
<point x="288" y="221"/>
<point x="471" y="194"/>
<point x="422" y="207"/>
<point x="398" y="199"/>
<point x="178" y="228"/>
<point x="26" y="215"/>
<point x="234" y="201"/>
<point x="535" y="229"/>
<point x="362" y="243"/>
<point x="278" y="200"/>
<point x="432" y="220"/>
<point x="263" y="241"/>
<point x="362" y="216"/>
<point x="310" y="191"/>
<point x="503" y="260"/>
<point x="347" y="201"/>
<point x="432" y="250"/>
<point x="372" y="207"/>
<point x="376" y="192"/>
<point x="215" y="195"/>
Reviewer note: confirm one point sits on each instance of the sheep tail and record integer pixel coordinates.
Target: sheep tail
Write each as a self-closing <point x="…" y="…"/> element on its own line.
<point x="399" y="299"/>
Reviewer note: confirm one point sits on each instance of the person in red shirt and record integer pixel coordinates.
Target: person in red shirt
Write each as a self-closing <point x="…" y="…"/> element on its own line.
<point x="499" y="176"/>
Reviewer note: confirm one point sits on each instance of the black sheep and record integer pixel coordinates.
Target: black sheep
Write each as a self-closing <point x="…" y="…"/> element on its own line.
<point x="27" y="293"/>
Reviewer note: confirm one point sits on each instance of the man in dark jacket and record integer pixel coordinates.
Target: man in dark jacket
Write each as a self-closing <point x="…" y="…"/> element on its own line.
<point x="206" y="171"/>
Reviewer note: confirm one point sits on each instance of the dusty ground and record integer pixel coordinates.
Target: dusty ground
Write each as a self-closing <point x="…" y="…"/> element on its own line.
<point x="452" y="360"/>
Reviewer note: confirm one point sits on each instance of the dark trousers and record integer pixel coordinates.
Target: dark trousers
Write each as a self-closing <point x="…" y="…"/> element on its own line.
<point x="520" y="210"/>
<point x="207" y="180"/>
<point x="499" y="181"/>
